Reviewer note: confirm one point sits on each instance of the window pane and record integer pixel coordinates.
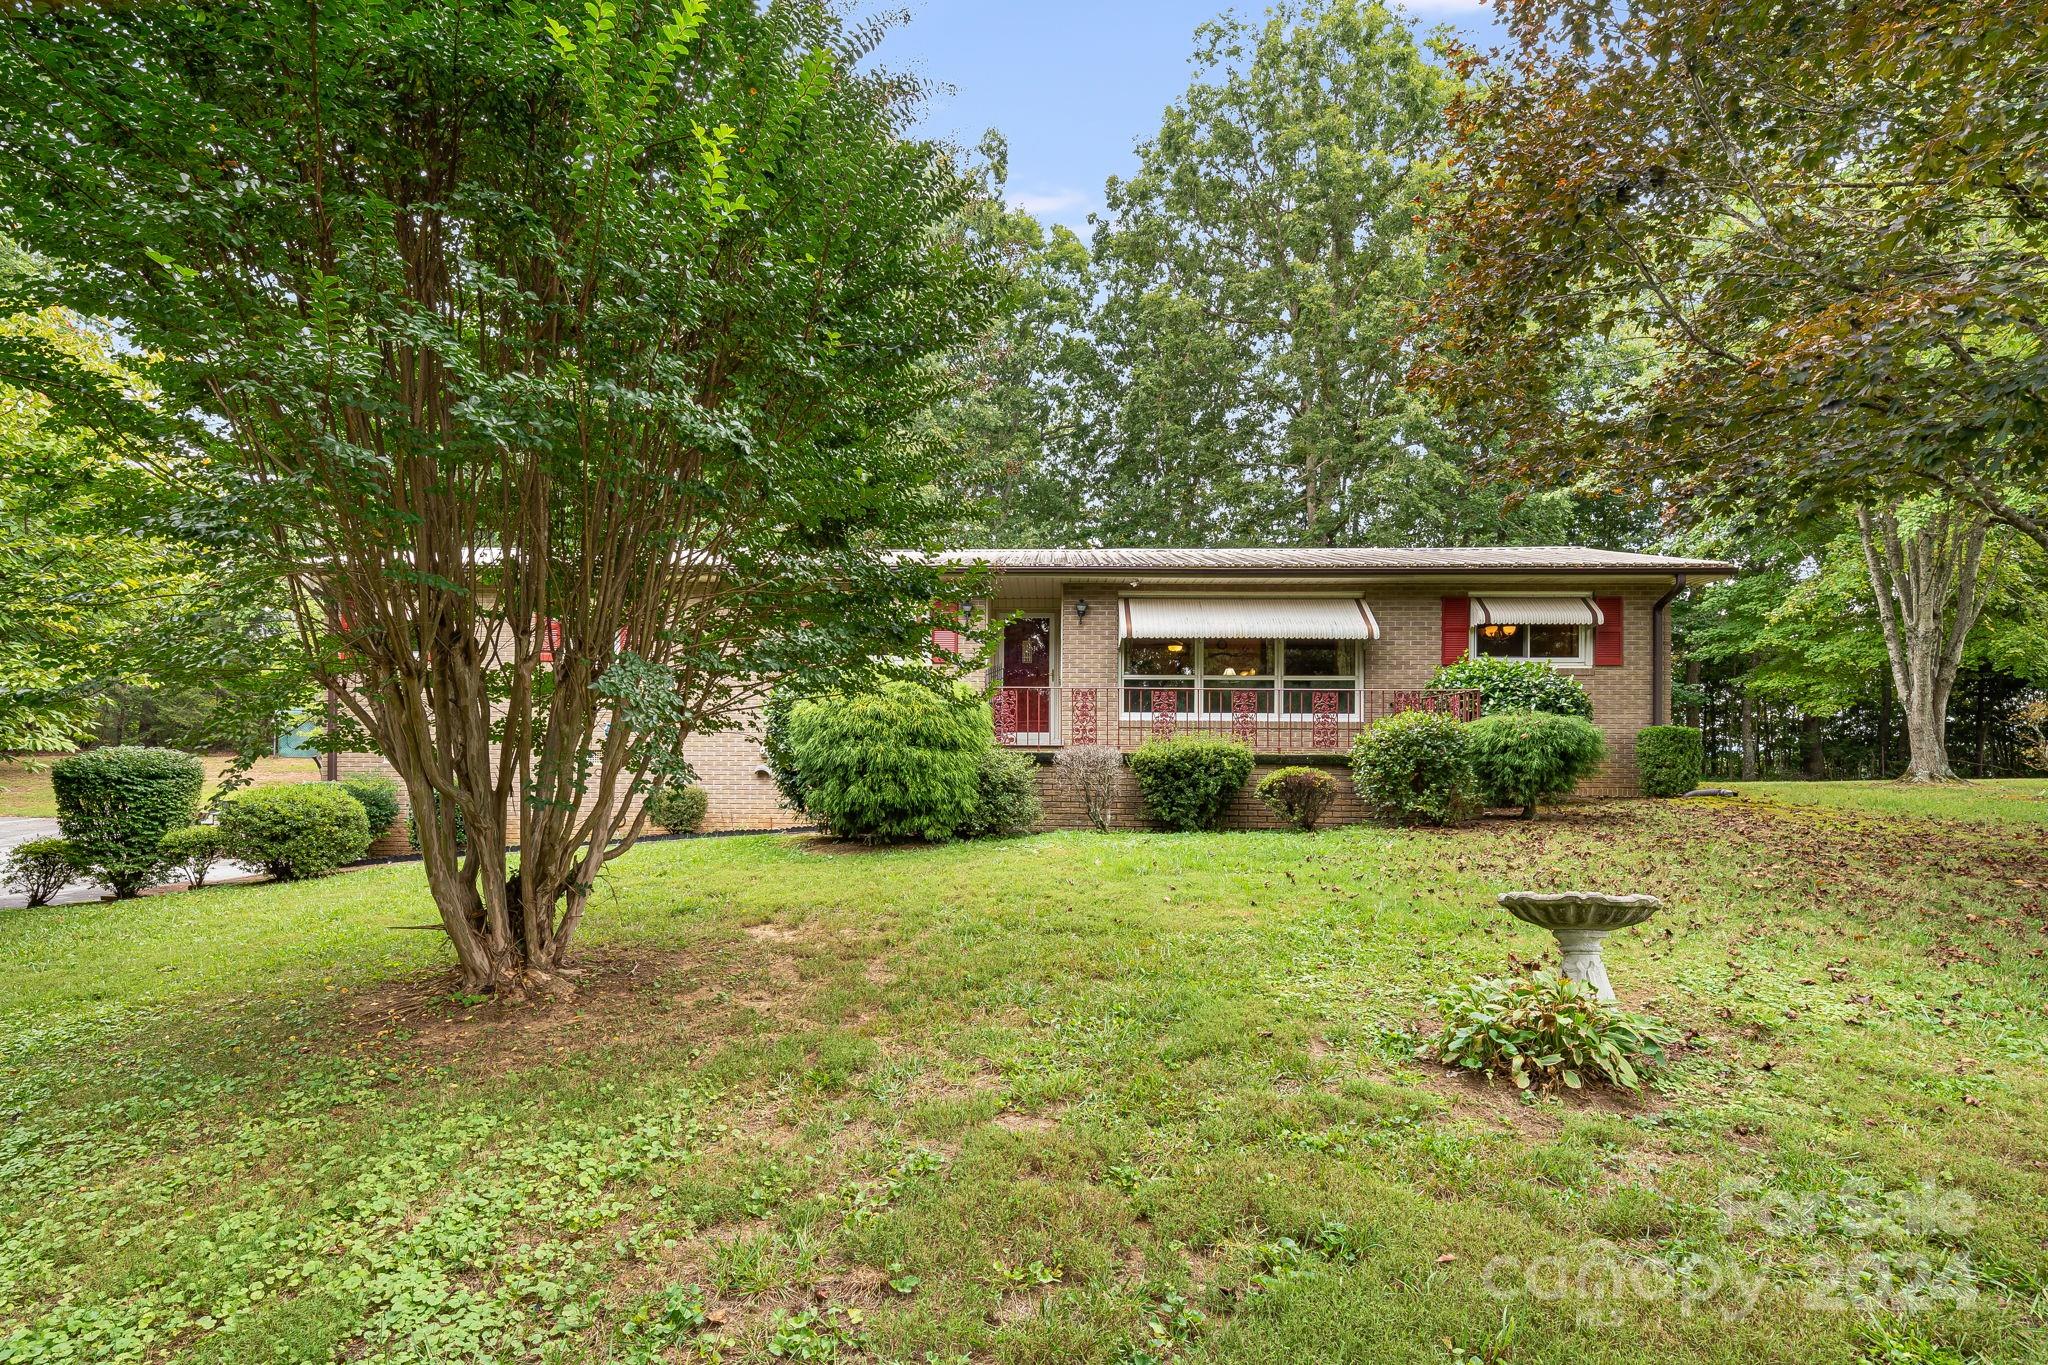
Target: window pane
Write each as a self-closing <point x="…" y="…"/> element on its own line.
<point x="1142" y="699"/>
<point x="1318" y="658"/>
<point x="1222" y="700"/>
<point x="1554" y="642"/>
<point x="1159" y="658"/>
<point x="1301" y="699"/>
<point x="1502" y="642"/>
<point x="1237" y="658"/>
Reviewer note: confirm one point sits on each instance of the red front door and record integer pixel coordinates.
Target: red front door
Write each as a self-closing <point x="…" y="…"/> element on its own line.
<point x="1027" y="673"/>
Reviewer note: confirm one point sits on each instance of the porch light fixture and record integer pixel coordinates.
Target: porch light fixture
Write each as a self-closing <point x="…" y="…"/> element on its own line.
<point x="1080" y="608"/>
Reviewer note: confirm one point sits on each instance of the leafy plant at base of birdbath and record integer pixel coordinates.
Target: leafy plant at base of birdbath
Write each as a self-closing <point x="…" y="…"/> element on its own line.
<point x="1543" y="1028"/>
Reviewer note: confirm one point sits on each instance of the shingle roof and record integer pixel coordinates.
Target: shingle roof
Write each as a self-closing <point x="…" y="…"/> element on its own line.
<point x="1339" y="560"/>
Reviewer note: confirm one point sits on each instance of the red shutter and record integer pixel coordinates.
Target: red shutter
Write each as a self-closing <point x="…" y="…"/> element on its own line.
<point x="947" y="644"/>
<point x="550" y="641"/>
<point x="1457" y="628"/>
<point x="1607" y="635"/>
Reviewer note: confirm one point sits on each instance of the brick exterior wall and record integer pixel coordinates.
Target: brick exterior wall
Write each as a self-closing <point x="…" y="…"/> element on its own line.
<point x="1086" y="653"/>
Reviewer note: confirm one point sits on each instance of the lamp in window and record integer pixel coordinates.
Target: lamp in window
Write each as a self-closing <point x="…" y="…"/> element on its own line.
<point x="1175" y="648"/>
<point x="1489" y="630"/>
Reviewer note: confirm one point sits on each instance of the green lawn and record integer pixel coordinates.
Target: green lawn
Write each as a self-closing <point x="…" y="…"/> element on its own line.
<point x="1992" y="799"/>
<point x="1069" y="1098"/>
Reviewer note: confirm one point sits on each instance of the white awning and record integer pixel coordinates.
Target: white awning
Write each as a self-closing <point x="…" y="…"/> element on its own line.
<point x="1243" y="618"/>
<point x="1536" y="611"/>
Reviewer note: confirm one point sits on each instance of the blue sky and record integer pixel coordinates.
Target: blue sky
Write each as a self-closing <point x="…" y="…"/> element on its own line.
<point x="1074" y="84"/>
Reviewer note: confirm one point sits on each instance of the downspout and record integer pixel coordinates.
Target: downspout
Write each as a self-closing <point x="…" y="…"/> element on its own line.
<point x="1660" y="652"/>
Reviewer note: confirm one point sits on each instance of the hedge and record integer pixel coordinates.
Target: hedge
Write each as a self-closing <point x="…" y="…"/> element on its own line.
<point x="379" y="799"/>
<point x="1298" y="795"/>
<point x="1188" y="782"/>
<point x="1669" y="759"/>
<point x="115" y="805"/>
<point x="1525" y="757"/>
<point x="901" y="762"/>
<point x="679" y="810"/>
<point x="1415" y="768"/>
<point x="295" y="830"/>
<point x="1006" y="794"/>
<point x="1517" y="685"/>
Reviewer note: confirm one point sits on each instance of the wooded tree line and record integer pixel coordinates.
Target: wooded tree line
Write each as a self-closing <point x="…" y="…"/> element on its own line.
<point x="1709" y="274"/>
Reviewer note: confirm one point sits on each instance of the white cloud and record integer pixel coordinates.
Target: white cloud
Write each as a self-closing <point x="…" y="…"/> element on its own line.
<point x="1059" y="204"/>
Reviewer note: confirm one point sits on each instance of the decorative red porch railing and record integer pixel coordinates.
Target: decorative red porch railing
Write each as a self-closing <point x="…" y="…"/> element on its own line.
<point x="1293" y="720"/>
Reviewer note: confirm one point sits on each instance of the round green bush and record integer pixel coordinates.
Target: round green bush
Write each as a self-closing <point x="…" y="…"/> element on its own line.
<point x="776" y="754"/>
<point x="295" y="830"/>
<point x="39" y="868"/>
<point x="194" y="850"/>
<point x="1006" y="794"/>
<point x="1523" y="757"/>
<point x="1669" y="759"/>
<point x="379" y="798"/>
<point x="1415" y="768"/>
<point x="679" y="810"/>
<point x="1298" y="795"/>
<point x="1517" y="685"/>
<point x="115" y="806"/>
<point x="901" y="762"/>
<point x="1188" y="782"/>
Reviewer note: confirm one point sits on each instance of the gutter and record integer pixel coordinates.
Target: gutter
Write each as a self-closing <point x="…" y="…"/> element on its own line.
<point x="1660" y="652"/>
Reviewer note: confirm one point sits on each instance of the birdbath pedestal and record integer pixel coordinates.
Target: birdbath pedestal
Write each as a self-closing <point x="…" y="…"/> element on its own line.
<point x="1581" y="920"/>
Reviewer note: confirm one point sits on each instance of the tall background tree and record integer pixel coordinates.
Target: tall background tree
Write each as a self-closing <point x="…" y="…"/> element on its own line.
<point x="568" y="370"/>
<point x="1829" y="221"/>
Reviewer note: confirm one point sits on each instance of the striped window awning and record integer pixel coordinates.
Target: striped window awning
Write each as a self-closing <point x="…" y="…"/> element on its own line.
<point x="1242" y="618"/>
<point x="1536" y="611"/>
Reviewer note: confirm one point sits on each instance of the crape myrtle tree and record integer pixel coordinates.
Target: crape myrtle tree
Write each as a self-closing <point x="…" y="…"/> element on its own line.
<point x="1830" y="220"/>
<point x="566" y="365"/>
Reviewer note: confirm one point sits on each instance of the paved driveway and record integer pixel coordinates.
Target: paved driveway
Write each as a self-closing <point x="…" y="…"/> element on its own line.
<point x="20" y="829"/>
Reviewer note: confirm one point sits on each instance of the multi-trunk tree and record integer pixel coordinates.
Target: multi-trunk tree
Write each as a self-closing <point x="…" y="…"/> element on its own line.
<point x="566" y="368"/>
<point x="1830" y="221"/>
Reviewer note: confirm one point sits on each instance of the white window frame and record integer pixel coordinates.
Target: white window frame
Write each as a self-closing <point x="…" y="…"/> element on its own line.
<point x="1582" y="659"/>
<point x="1201" y="683"/>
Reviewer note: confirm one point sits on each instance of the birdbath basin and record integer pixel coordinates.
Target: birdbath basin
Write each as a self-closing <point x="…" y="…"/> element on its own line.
<point x="1581" y="920"/>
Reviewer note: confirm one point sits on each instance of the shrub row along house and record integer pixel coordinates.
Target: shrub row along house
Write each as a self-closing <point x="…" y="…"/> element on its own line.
<point x="1292" y="651"/>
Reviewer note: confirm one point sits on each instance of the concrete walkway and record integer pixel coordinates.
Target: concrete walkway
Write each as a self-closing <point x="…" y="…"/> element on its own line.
<point x="15" y="829"/>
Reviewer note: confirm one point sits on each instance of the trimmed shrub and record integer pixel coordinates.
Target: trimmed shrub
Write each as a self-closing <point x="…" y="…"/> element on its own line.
<point x="1089" y="772"/>
<point x="379" y="799"/>
<point x="116" y="805"/>
<point x="1669" y="759"/>
<point x="1188" y="782"/>
<point x="776" y="754"/>
<point x="1544" y="1027"/>
<point x="1298" y="795"/>
<point x="1415" y="768"/>
<point x="902" y="762"/>
<point x="40" y="868"/>
<point x="1517" y="685"/>
<point x="1006" y="800"/>
<point x="1523" y="757"/>
<point x="295" y="830"/>
<point x="194" y="850"/>
<point x="679" y="810"/>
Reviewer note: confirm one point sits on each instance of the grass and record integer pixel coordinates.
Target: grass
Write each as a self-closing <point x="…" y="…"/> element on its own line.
<point x="25" y="786"/>
<point x="1077" y="1097"/>
<point x="1989" y="799"/>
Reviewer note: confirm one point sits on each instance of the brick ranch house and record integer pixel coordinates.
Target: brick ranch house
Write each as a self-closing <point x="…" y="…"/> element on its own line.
<point x="1293" y="651"/>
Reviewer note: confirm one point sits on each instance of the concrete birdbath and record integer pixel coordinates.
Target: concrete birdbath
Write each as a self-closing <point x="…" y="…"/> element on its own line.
<point x="1581" y="919"/>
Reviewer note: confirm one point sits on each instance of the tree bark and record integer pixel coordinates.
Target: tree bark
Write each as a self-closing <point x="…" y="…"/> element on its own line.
<point x="1884" y="722"/>
<point x="1813" y="757"/>
<point x="1923" y="573"/>
<point x="1749" y="764"/>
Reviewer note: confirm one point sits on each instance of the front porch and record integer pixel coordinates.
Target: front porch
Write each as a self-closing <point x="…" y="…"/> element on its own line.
<point x="1275" y="722"/>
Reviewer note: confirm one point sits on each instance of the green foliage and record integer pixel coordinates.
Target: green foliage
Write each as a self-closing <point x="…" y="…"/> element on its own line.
<point x="378" y="796"/>
<point x="295" y="830"/>
<point x="679" y="810"/>
<point x="901" y="762"/>
<point x="412" y="828"/>
<point x="1517" y="685"/>
<point x="1415" y="768"/>
<point x="115" y="806"/>
<point x="1541" y="1028"/>
<point x="1006" y="794"/>
<point x="1669" y="759"/>
<point x="1190" y="780"/>
<point x="194" y="850"/>
<point x="1298" y="795"/>
<point x="39" y="868"/>
<point x="1525" y="757"/>
<point x="775" y="751"/>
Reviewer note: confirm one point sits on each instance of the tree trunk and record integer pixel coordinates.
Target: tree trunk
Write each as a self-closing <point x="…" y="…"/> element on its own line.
<point x="1813" y="757"/>
<point x="1884" y="722"/>
<point x="1923" y="573"/>
<point x="1983" y="700"/>
<point x="1749" y="764"/>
